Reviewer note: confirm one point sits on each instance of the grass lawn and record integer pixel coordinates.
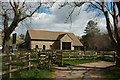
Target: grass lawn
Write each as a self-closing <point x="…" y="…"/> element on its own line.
<point x="75" y="55"/>
<point x="75" y="62"/>
<point x="113" y="73"/>
<point x="41" y="73"/>
<point x="70" y="53"/>
<point x="33" y="73"/>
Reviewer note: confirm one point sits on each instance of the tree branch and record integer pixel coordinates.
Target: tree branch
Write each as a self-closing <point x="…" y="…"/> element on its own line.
<point x="15" y="4"/>
<point x="118" y="6"/>
<point x="108" y="24"/>
<point x="12" y="5"/>
<point x="96" y="6"/>
<point x="13" y="25"/>
<point x="2" y="14"/>
<point x="31" y="13"/>
<point x="79" y="4"/>
<point x="107" y="7"/>
<point x="21" y="7"/>
<point x="70" y="14"/>
<point x="115" y="20"/>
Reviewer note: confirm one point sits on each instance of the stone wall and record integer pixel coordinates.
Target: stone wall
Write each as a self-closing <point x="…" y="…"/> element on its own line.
<point x="41" y="43"/>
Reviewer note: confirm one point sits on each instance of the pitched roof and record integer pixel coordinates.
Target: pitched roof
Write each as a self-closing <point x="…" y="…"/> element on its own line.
<point x="52" y="35"/>
<point x="60" y="36"/>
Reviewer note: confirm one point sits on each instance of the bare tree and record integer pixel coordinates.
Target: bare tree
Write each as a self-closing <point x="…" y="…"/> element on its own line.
<point x="113" y="30"/>
<point x="107" y="9"/>
<point x="15" y="12"/>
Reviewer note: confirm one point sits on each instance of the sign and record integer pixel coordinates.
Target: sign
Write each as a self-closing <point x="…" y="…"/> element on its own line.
<point x="14" y="39"/>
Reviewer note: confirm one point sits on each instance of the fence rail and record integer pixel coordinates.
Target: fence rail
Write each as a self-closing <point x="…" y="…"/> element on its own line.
<point x="38" y="60"/>
<point x="46" y="58"/>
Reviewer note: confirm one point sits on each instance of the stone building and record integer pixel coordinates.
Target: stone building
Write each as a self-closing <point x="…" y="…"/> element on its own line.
<point x="51" y="40"/>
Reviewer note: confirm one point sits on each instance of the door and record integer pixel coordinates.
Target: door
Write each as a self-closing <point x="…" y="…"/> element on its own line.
<point x="66" y="45"/>
<point x="36" y="46"/>
<point x="44" y="47"/>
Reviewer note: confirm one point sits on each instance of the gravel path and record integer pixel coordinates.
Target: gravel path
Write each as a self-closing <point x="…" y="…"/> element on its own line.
<point x="82" y="71"/>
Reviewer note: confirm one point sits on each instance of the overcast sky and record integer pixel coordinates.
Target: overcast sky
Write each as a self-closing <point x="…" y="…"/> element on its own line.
<point x="54" y="20"/>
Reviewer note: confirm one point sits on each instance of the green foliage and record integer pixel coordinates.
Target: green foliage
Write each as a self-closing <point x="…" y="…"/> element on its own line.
<point x="91" y="28"/>
<point x="76" y="61"/>
<point x="106" y="58"/>
<point x="90" y="40"/>
<point x="70" y="53"/>
<point x="22" y="36"/>
<point x="91" y="31"/>
<point x="113" y="73"/>
<point x="33" y="73"/>
<point x="22" y="51"/>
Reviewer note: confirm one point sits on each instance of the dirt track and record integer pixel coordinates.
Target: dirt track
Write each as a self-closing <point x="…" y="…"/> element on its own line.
<point x="83" y="71"/>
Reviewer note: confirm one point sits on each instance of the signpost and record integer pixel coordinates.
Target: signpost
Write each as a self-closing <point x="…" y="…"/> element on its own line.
<point x="14" y="38"/>
<point x="13" y="41"/>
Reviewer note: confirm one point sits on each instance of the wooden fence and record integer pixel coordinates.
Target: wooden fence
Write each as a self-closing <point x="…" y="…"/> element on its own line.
<point x="27" y="60"/>
<point x="74" y="55"/>
<point x="14" y="62"/>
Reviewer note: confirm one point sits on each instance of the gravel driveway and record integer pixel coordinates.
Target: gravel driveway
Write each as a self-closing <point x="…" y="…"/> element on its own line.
<point x="85" y="71"/>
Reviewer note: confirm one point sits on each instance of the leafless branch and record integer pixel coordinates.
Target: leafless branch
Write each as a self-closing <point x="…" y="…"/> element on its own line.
<point x="108" y="23"/>
<point x="79" y="4"/>
<point x="62" y="5"/>
<point x="96" y="6"/>
<point x="115" y="20"/>
<point x="31" y="13"/>
<point x="1" y="14"/>
<point x="12" y="5"/>
<point x="108" y="9"/>
<point x="22" y="6"/>
<point x="70" y="14"/>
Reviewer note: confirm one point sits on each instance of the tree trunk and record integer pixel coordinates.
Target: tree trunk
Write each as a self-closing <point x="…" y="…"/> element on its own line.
<point x="7" y="33"/>
<point x="118" y="58"/>
<point x="5" y="43"/>
<point x="118" y="5"/>
<point x="118" y="53"/>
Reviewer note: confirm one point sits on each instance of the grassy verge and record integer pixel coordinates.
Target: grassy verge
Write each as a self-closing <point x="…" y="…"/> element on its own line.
<point x="75" y="62"/>
<point x="113" y="73"/>
<point x="33" y="73"/>
<point x="106" y="58"/>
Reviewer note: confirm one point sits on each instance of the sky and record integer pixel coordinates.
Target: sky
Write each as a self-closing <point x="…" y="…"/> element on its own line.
<point x="54" y="20"/>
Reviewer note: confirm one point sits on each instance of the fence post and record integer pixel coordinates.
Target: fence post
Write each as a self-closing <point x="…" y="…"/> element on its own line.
<point x="69" y="55"/>
<point x="103" y="54"/>
<point x="114" y="56"/>
<point x="46" y="57"/>
<point x="84" y="50"/>
<point x="49" y="61"/>
<point x="52" y="56"/>
<point x="29" y="61"/>
<point x="62" y="58"/>
<point x="39" y="59"/>
<point x="55" y="56"/>
<point x="10" y="65"/>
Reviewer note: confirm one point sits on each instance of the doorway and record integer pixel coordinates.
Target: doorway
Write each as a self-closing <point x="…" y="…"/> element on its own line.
<point x="43" y="47"/>
<point x="66" y="45"/>
<point x="36" y="46"/>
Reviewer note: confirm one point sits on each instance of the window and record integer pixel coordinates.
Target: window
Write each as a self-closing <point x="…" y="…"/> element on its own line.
<point x="50" y="46"/>
<point x="44" y="47"/>
<point x="36" y="46"/>
<point x="75" y="48"/>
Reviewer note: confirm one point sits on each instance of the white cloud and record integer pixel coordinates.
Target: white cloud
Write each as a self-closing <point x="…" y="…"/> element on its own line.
<point x="55" y="21"/>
